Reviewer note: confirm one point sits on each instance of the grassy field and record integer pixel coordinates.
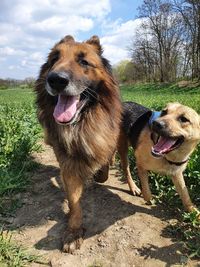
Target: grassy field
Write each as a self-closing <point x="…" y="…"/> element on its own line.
<point x="17" y="96"/>
<point x="19" y="132"/>
<point x="156" y="96"/>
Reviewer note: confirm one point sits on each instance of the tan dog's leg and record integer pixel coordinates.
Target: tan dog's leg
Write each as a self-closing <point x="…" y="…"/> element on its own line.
<point x="144" y="179"/>
<point x="123" y="153"/>
<point x="181" y="188"/>
<point x="112" y="161"/>
<point x="73" y="236"/>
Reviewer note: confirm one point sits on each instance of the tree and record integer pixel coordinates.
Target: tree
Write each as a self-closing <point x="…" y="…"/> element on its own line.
<point x="29" y="82"/>
<point x="161" y="43"/>
<point x="190" y="12"/>
<point x="119" y="71"/>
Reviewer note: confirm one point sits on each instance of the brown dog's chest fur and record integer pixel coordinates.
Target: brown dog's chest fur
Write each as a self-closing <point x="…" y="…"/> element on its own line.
<point x="84" y="147"/>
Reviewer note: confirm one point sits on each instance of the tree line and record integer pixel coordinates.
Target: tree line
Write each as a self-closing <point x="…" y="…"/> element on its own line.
<point x="12" y="83"/>
<point x="166" y="46"/>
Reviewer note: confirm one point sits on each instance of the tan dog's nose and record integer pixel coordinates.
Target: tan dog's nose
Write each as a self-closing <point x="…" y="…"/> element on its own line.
<point x="158" y="125"/>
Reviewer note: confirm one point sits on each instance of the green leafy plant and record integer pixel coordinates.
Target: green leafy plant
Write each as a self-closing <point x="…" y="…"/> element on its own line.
<point x="12" y="255"/>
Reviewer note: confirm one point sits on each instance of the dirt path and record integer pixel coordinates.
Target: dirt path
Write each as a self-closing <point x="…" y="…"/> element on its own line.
<point x="120" y="229"/>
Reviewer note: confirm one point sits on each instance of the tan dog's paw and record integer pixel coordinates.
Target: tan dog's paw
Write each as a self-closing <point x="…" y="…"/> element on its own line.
<point x="72" y="240"/>
<point x="135" y="190"/>
<point x="191" y="208"/>
<point x="194" y="209"/>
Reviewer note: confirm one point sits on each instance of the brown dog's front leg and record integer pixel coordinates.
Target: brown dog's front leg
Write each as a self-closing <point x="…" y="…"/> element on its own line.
<point x="181" y="188"/>
<point x="73" y="236"/>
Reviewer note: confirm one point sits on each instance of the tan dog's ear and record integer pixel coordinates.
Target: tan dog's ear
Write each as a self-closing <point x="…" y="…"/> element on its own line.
<point x="199" y="127"/>
<point x="95" y="42"/>
<point x="67" y="39"/>
<point x="199" y="121"/>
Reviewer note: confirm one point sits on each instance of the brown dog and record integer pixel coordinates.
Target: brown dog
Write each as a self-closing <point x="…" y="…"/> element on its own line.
<point x="163" y="147"/>
<point x="79" y="108"/>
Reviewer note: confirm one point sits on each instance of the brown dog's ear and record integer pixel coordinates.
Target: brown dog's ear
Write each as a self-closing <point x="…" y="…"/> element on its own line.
<point x="95" y="42"/>
<point x="67" y="39"/>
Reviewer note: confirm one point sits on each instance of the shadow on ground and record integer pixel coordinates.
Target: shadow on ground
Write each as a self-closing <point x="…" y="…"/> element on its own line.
<point x="102" y="207"/>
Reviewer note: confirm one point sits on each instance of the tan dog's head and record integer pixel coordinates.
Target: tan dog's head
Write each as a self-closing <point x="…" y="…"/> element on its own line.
<point x="176" y="126"/>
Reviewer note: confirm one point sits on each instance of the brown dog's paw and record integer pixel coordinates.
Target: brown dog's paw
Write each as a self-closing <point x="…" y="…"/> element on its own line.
<point x="72" y="240"/>
<point x="102" y="175"/>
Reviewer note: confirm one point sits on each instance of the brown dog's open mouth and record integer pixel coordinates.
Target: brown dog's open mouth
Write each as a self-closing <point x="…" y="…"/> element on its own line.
<point x="165" y="144"/>
<point x="67" y="108"/>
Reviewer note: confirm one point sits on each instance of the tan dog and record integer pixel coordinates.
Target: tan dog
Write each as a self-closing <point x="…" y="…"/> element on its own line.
<point x="163" y="147"/>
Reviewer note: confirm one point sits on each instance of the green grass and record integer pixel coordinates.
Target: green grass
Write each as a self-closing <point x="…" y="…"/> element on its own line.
<point x="12" y="255"/>
<point x="19" y="132"/>
<point x="156" y="96"/>
<point x="17" y="96"/>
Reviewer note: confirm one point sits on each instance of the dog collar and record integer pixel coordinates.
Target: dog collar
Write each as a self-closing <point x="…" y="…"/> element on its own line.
<point x="176" y="163"/>
<point x="154" y="116"/>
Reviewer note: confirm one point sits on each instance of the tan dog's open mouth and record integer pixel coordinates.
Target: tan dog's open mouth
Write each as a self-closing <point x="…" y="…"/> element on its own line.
<point x="165" y="145"/>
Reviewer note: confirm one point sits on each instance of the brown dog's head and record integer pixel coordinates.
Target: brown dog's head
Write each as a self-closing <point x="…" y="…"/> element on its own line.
<point x="73" y="75"/>
<point x="176" y="126"/>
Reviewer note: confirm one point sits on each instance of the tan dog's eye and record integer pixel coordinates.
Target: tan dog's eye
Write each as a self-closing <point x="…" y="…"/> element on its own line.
<point x="163" y="113"/>
<point x="183" y="119"/>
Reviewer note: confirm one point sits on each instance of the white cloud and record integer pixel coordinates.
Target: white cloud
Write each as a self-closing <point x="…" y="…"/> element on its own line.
<point x="114" y="53"/>
<point x="28" y="29"/>
<point x="57" y="25"/>
<point x="118" y="38"/>
<point x="11" y="67"/>
<point x="9" y="51"/>
<point x="23" y="62"/>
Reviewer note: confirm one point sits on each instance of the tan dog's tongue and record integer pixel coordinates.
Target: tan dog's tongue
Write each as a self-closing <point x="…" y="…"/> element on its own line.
<point x="164" y="144"/>
<point x="65" y="108"/>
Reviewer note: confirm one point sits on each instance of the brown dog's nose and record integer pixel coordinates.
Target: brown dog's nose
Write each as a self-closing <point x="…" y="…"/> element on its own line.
<point x="158" y="125"/>
<point x="58" y="80"/>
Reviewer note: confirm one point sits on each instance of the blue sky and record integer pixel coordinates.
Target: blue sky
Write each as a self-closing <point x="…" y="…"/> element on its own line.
<point x="29" y="28"/>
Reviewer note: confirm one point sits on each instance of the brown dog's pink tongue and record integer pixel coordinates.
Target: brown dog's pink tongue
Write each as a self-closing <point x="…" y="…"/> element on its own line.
<point x="65" y="108"/>
<point x="164" y="144"/>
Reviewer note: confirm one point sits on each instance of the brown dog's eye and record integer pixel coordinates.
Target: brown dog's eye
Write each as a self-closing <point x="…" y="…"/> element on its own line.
<point x="83" y="62"/>
<point x="54" y="58"/>
<point x="183" y="119"/>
